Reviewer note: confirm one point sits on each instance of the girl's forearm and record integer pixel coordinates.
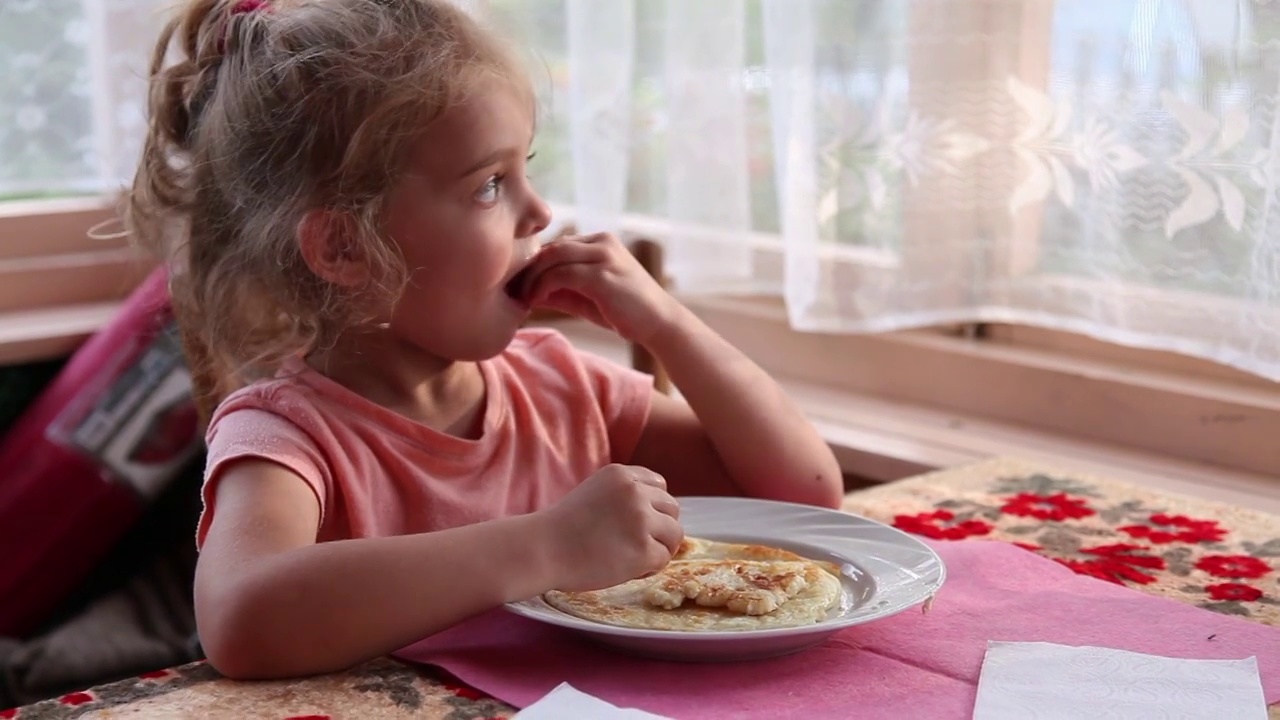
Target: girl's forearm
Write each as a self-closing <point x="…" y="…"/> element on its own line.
<point x="768" y="446"/>
<point x="326" y="607"/>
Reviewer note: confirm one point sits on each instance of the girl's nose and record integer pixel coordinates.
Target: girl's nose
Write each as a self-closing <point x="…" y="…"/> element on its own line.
<point x="537" y="215"/>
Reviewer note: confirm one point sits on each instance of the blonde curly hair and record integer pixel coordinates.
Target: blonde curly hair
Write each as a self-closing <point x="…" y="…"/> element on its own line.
<point x="269" y="111"/>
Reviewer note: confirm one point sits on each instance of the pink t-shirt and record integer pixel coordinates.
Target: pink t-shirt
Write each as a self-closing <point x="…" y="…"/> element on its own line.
<point x="552" y="417"/>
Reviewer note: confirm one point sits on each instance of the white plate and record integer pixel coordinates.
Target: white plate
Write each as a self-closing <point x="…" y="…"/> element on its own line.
<point x="884" y="571"/>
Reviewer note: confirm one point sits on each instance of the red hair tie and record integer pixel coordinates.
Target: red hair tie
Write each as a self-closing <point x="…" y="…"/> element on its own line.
<point x="244" y="6"/>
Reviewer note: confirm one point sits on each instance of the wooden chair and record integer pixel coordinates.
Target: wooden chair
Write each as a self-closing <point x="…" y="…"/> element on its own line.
<point x="649" y="254"/>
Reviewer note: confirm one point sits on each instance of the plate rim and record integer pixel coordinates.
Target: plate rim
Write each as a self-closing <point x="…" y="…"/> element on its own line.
<point x="559" y="618"/>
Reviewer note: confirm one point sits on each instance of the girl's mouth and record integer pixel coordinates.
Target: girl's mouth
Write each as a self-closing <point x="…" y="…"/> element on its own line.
<point x="515" y="287"/>
<point x="518" y="287"/>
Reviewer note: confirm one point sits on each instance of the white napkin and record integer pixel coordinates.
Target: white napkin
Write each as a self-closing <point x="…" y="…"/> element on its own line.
<point x="1042" y="680"/>
<point x="568" y="702"/>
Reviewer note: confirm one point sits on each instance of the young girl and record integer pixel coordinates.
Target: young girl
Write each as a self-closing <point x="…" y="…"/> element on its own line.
<point x="339" y="189"/>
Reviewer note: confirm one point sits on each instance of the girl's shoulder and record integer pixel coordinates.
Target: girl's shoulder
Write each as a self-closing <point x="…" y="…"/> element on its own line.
<point x="287" y="395"/>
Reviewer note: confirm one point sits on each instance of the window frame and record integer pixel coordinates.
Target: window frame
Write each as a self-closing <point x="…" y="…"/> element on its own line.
<point x="65" y="267"/>
<point x="1181" y="409"/>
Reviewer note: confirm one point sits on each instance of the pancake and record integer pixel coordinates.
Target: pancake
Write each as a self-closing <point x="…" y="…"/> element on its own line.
<point x="711" y="586"/>
<point x="747" y="587"/>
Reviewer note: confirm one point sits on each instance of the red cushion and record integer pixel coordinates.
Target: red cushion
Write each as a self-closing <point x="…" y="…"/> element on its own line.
<point x="79" y="466"/>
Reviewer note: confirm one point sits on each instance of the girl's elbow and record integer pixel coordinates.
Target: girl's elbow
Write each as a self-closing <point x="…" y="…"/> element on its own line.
<point x="826" y="490"/>
<point x="247" y="655"/>
<point x="831" y="479"/>
<point x="828" y="494"/>
<point x="249" y="636"/>
<point x="835" y="503"/>
<point x="230" y="644"/>
<point x="235" y="641"/>
<point x="819" y="490"/>
<point x="232" y="664"/>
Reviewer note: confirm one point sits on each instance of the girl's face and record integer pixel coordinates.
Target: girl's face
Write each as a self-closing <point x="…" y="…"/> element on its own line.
<point x="465" y="218"/>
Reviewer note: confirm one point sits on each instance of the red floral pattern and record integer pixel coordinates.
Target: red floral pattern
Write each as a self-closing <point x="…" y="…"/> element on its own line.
<point x="937" y="525"/>
<point x="1117" y="563"/>
<point x="1233" y="566"/>
<point x="76" y="698"/>
<point x="463" y="691"/>
<point x="1238" y="592"/>
<point x="1058" y="506"/>
<point x="1164" y="529"/>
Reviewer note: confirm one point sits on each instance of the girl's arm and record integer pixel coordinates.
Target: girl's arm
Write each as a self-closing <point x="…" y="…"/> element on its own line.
<point x="739" y="429"/>
<point x="271" y="602"/>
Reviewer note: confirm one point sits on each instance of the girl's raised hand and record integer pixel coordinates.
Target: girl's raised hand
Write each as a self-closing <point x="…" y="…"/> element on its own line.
<point x="596" y="278"/>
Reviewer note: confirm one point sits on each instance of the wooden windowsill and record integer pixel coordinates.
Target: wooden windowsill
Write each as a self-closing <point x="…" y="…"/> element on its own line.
<point x="884" y="439"/>
<point x="48" y="333"/>
<point x="42" y="228"/>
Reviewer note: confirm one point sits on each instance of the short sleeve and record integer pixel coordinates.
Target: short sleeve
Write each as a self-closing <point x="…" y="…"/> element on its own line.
<point x="252" y="433"/>
<point x="624" y="395"/>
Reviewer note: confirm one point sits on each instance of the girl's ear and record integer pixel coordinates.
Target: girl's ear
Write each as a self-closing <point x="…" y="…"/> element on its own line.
<point x="328" y="245"/>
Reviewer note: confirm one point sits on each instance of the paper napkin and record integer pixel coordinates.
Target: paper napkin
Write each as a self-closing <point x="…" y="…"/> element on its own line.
<point x="568" y="702"/>
<point x="1048" y="681"/>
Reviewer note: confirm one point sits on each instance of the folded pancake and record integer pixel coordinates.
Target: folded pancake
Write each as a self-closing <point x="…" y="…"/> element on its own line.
<point x="748" y="587"/>
<point x="714" y="586"/>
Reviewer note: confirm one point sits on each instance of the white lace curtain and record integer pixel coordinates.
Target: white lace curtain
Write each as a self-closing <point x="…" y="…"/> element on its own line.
<point x="1102" y="166"/>
<point x="72" y="83"/>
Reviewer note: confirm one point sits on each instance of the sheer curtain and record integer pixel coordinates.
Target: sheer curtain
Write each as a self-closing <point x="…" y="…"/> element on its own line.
<point x="72" y="88"/>
<point x="1101" y="166"/>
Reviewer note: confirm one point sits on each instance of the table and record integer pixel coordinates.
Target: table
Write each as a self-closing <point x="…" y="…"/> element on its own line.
<point x="1220" y="557"/>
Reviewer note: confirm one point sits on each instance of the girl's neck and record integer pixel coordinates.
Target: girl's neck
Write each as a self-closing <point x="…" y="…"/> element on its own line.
<point x="445" y="395"/>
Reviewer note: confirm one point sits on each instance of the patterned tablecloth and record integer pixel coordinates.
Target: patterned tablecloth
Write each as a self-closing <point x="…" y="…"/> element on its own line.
<point x="1222" y="558"/>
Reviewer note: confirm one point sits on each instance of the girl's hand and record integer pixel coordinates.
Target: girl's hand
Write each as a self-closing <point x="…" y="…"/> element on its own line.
<point x="596" y="278"/>
<point x="618" y="525"/>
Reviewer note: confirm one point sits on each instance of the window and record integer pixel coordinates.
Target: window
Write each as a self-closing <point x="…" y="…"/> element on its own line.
<point x="70" y="124"/>
<point x="46" y="130"/>
<point x="72" y="116"/>
<point x="921" y="127"/>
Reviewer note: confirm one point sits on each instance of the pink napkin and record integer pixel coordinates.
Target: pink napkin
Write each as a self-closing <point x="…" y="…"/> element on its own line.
<point x="924" y="663"/>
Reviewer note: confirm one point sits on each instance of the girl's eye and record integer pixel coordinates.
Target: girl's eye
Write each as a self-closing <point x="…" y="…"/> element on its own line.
<point x="488" y="193"/>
